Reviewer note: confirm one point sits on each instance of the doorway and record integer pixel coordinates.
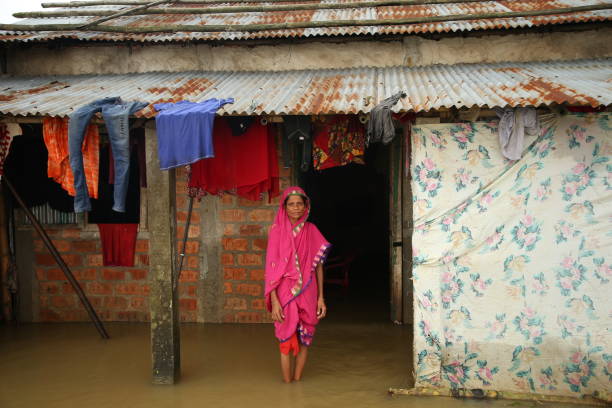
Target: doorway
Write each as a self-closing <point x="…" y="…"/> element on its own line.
<point x="350" y="206"/>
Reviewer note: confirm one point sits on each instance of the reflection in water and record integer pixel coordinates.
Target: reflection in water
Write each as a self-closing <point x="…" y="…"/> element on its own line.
<point x="224" y="365"/>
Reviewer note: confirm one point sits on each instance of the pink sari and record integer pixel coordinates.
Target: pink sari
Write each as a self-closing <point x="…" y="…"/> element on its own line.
<point x="294" y="251"/>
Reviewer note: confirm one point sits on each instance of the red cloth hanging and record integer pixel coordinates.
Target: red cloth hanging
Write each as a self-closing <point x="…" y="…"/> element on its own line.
<point x="245" y="165"/>
<point x="118" y="243"/>
<point x="338" y="141"/>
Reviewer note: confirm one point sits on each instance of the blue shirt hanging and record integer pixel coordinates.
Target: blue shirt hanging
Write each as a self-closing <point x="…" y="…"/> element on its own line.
<point x="184" y="131"/>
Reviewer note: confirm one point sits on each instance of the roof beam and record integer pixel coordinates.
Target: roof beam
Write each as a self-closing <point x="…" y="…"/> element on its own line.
<point x="301" y="24"/>
<point x="241" y="9"/>
<point x="71" y="4"/>
<point x="122" y="13"/>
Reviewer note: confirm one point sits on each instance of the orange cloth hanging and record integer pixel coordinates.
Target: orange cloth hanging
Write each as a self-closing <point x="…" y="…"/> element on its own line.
<point x="55" y="133"/>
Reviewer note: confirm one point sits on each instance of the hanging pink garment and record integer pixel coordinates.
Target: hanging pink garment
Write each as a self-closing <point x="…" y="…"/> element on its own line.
<point x="118" y="243"/>
<point x="294" y="251"/>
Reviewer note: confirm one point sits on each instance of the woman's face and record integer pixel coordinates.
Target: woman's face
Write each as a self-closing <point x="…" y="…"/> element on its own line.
<point x="295" y="207"/>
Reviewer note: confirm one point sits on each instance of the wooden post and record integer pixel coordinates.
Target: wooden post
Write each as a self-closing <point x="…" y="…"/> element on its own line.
<point x="163" y="300"/>
<point x="407" y="286"/>
<point x="395" y="226"/>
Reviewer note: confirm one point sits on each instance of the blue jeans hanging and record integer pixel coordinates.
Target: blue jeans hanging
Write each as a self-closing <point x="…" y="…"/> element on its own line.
<point x="116" y="115"/>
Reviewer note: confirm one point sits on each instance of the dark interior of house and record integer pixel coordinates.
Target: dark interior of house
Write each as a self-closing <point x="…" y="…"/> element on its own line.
<point x="350" y="206"/>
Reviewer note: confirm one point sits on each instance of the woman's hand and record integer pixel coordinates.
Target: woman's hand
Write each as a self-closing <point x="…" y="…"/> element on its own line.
<point x="277" y="311"/>
<point x="321" y="308"/>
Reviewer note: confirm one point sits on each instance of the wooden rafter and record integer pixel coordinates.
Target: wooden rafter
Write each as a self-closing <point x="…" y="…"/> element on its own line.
<point x="303" y="24"/>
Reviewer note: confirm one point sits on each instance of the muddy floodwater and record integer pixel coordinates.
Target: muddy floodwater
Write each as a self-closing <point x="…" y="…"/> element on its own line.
<point x="351" y="364"/>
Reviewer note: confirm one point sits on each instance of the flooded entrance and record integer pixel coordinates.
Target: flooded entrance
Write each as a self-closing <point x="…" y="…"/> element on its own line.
<point x="351" y="208"/>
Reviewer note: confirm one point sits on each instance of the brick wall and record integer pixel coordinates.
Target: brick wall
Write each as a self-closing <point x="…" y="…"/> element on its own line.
<point x="245" y="229"/>
<point x="121" y="294"/>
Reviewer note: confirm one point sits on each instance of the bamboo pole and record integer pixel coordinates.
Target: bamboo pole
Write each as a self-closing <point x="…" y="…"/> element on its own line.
<point x="60" y="262"/>
<point x="492" y="394"/>
<point x="137" y="3"/>
<point x="239" y="9"/>
<point x="122" y="13"/>
<point x="301" y="24"/>
<point x="177" y="277"/>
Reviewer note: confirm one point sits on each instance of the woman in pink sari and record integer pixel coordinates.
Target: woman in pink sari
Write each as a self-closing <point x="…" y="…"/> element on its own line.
<point x="294" y="279"/>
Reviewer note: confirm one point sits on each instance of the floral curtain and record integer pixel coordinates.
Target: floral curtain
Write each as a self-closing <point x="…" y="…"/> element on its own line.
<point x="512" y="260"/>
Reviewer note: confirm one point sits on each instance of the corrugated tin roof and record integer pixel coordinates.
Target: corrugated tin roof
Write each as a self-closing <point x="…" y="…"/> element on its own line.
<point x="585" y="82"/>
<point x="362" y="13"/>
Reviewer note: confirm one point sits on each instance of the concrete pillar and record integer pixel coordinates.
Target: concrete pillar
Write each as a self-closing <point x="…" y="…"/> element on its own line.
<point x="163" y="300"/>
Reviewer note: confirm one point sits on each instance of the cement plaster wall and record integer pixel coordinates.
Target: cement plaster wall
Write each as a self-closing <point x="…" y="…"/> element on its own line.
<point x="412" y="51"/>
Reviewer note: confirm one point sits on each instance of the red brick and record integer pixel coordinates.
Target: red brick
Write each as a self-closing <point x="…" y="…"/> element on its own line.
<point x="143" y="259"/>
<point x="43" y="301"/>
<point x="55" y="274"/>
<point x="94" y="260"/>
<point x="85" y="273"/>
<point x="249" y="289"/>
<point x="233" y="215"/>
<point x="181" y="201"/>
<point x="250" y="259"/>
<point x="41" y="274"/>
<point x="73" y="259"/>
<point x="194" y="231"/>
<point x="235" y="244"/>
<point x="229" y="229"/>
<point x="181" y="216"/>
<point x="73" y="315"/>
<point x="49" y="287"/>
<point x="84" y="246"/>
<point x="249" y="317"/>
<point x="227" y="287"/>
<point x="234" y="273"/>
<point x="71" y="233"/>
<point x="189" y="276"/>
<point x="146" y="289"/>
<point x="96" y="301"/>
<point x="235" y="304"/>
<point x="115" y="302"/>
<point x="258" y="304"/>
<point x="138" y="274"/>
<point x="243" y="202"/>
<point x="188" y="316"/>
<point x="131" y="316"/>
<point x="142" y="245"/>
<point x="62" y="302"/>
<point x="113" y="274"/>
<point x="227" y="200"/>
<point x="61" y="245"/>
<point x="39" y="246"/>
<point x="285" y="172"/>
<point x="257" y="274"/>
<point x="44" y="259"/>
<point x="192" y="247"/>
<point x="192" y="262"/>
<point x="227" y="259"/>
<point x="188" y="304"/>
<point x="98" y="288"/>
<point x="251" y="229"/>
<point x="229" y="318"/>
<point x="128" y="289"/>
<point x="261" y="215"/>
<point x="47" y="315"/>
<point x="186" y="289"/>
<point x="260" y="244"/>
<point x="138" y="303"/>
<point x="67" y="289"/>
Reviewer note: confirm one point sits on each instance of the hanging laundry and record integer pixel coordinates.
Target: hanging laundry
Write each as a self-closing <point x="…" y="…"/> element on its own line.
<point x="7" y="132"/>
<point x="116" y="114"/>
<point x="55" y="134"/>
<point x="513" y="124"/>
<point x="380" y="126"/>
<point x="137" y="144"/>
<point x="297" y="129"/>
<point x="118" y="244"/>
<point x="338" y="141"/>
<point x="184" y="131"/>
<point x="246" y="166"/>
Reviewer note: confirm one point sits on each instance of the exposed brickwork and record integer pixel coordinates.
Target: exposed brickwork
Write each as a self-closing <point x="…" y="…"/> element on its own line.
<point x="122" y="294"/>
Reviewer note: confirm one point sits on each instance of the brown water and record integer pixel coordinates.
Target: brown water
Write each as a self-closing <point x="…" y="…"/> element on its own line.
<point x="351" y="364"/>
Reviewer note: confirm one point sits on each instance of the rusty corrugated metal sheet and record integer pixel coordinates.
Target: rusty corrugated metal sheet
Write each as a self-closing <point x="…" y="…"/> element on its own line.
<point x="584" y="82"/>
<point x="365" y="13"/>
